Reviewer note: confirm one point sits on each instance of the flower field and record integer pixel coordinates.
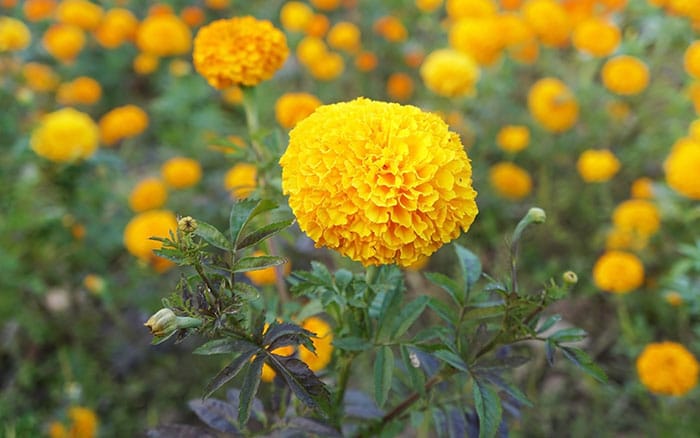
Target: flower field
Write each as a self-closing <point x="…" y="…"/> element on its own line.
<point x="349" y="218"/>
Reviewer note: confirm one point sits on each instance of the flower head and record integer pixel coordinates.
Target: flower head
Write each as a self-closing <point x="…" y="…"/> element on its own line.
<point x="295" y="16"/>
<point x="14" y="35"/>
<point x="691" y="60"/>
<point x="143" y="226"/>
<point x="399" y="86"/>
<point x="241" y="180"/>
<point x="122" y="122"/>
<point x="81" y="13"/>
<point x="290" y="108"/>
<point x="344" y="36"/>
<point x="549" y="20"/>
<point x="618" y="272"/>
<point x="625" y="75"/>
<point x="637" y="215"/>
<point x="681" y="168"/>
<point x="379" y="182"/>
<point x="149" y="194"/>
<point x="510" y="181"/>
<point x="64" y="41"/>
<point x="181" y="172"/>
<point x="667" y="368"/>
<point x="553" y="105"/>
<point x="596" y="166"/>
<point x="513" y="138"/>
<point x="82" y="90"/>
<point x="596" y="36"/>
<point x="39" y="77"/>
<point x="480" y="38"/>
<point x="118" y="25"/>
<point x="450" y="73"/>
<point x="164" y="35"/>
<point x="65" y="135"/>
<point x="84" y="422"/>
<point x="323" y="343"/>
<point x="239" y="50"/>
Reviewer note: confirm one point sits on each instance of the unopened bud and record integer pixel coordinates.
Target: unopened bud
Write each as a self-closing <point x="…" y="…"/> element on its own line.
<point x="569" y="277"/>
<point x="536" y="215"/>
<point x="187" y="224"/>
<point x="162" y="323"/>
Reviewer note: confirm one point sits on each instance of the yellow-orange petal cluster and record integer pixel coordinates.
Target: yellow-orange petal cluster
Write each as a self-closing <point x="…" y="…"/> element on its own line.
<point x="681" y="168"/>
<point x="241" y="180"/>
<point x="82" y="90"/>
<point x="618" y="272"/>
<point x="122" y="122"/>
<point x="510" y="181"/>
<point x="625" y="75"/>
<point x="164" y="35"/>
<point x="181" y="172"/>
<point x="148" y="194"/>
<point x="513" y="138"/>
<point x="323" y="343"/>
<point x="139" y="230"/>
<point x="553" y="105"/>
<point x="597" y="165"/>
<point x="239" y="51"/>
<point x="379" y="182"/>
<point x="667" y="368"/>
<point x="14" y="35"/>
<point x="450" y="73"/>
<point x="65" y="135"/>
<point x="639" y="216"/>
<point x="290" y="108"/>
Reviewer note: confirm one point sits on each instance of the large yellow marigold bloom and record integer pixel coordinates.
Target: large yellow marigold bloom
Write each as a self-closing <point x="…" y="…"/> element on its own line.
<point x="510" y="181"/>
<point x="323" y="342"/>
<point x="239" y="51"/>
<point x="122" y="122"/>
<point x="450" y="73"/>
<point x="681" y="168"/>
<point x="596" y="36"/>
<point x="181" y="172"/>
<point x="667" y="368"/>
<point x="81" y="13"/>
<point x="553" y="105"/>
<point x="65" y="135"/>
<point x="64" y="41"/>
<point x="148" y="194"/>
<point x="618" y="272"/>
<point x="379" y="182"/>
<point x="513" y="138"/>
<point x="597" y="166"/>
<point x="143" y="226"/>
<point x="625" y="75"/>
<point x="290" y="108"/>
<point x="637" y="215"/>
<point x="14" y="35"/>
<point x="83" y="90"/>
<point x="549" y="20"/>
<point x="164" y="35"/>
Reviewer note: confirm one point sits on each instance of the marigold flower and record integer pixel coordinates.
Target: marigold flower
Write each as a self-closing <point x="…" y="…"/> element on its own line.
<point x="366" y="61"/>
<point x="290" y="108"/>
<point x="638" y="215"/>
<point x="143" y="226"/>
<point x="327" y="68"/>
<point x="149" y="194"/>
<point x="379" y="182"/>
<point x="618" y="272"/>
<point x="344" y="36"/>
<point x="57" y="430"/>
<point x="14" y="35"/>
<point x="160" y="9"/>
<point x="553" y="105"/>
<point x="549" y="20"/>
<point x="642" y="188"/>
<point x="192" y="16"/>
<point x="596" y="166"/>
<point x="625" y="75"/>
<point x="84" y="422"/>
<point x="164" y="35"/>
<point x="480" y="38"/>
<point x="673" y="298"/>
<point x="241" y="180"/>
<point x="457" y="9"/>
<point x="145" y="63"/>
<point x="625" y="239"/>
<point x="64" y="41"/>
<point x="325" y="5"/>
<point x="267" y="276"/>
<point x="82" y="13"/>
<point x="513" y="138"/>
<point x="240" y="50"/>
<point x="122" y="122"/>
<point x="39" y="77"/>
<point x="391" y="28"/>
<point x="94" y="283"/>
<point x="681" y="168"/>
<point x="511" y="5"/>
<point x="323" y="343"/>
<point x="37" y="10"/>
<point x="510" y="181"/>
<point x="691" y="60"/>
<point x="82" y="90"/>
<point x="450" y="73"/>
<point x="118" y="26"/>
<point x="318" y="26"/>
<point x="310" y="50"/>
<point x="667" y="368"/>
<point x="295" y="16"/>
<point x="65" y="135"/>
<point x="399" y="87"/>
<point x="181" y="172"/>
<point x="596" y="36"/>
<point x="428" y="5"/>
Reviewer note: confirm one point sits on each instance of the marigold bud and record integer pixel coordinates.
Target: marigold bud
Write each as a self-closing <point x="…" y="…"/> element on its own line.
<point x="162" y="323"/>
<point x="570" y="277"/>
<point x="536" y="215"/>
<point x="187" y="224"/>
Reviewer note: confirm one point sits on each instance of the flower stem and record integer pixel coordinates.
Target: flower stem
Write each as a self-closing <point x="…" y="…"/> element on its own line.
<point x="251" y="116"/>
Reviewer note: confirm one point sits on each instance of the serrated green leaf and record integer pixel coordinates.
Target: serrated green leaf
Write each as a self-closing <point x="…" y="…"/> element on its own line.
<point x="448" y="285"/>
<point x="277" y="330"/>
<point x="212" y="236"/>
<point x="246" y="264"/>
<point x="220" y="346"/>
<point x="495" y="379"/>
<point x="262" y="233"/>
<point x="549" y="348"/>
<point x="242" y="212"/>
<point x="351" y="343"/>
<point x="343" y="278"/>
<point x="246" y="291"/>
<point x="582" y="360"/>
<point x="444" y="311"/>
<point x="302" y="381"/>
<point x="173" y="255"/>
<point x="251" y="382"/>
<point x="548" y="323"/>
<point x="477" y="313"/>
<point x="568" y="335"/>
<point x="470" y="265"/>
<point x="488" y="408"/>
<point x="383" y="374"/>
<point x="408" y="315"/>
<point x="452" y="359"/>
<point x="230" y="371"/>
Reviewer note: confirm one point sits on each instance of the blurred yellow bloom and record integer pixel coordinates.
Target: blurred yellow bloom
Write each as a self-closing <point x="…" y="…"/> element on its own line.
<point x="267" y="276"/>
<point x="65" y="135"/>
<point x="181" y="172"/>
<point x="327" y="68"/>
<point x="57" y="430"/>
<point x="217" y="4"/>
<point x="399" y="87"/>
<point x="64" y="41"/>
<point x="318" y="26"/>
<point x="513" y="138"/>
<point x="457" y="9"/>
<point x="145" y="63"/>
<point x="143" y="226"/>
<point x="240" y="50"/>
<point x="310" y="50"/>
<point x="694" y="130"/>
<point x="625" y="75"/>
<point x="681" y="168"/>
<point x="117" y="26"/>
<point x="596" y="36"/>
<point x="325" y="5"/>
<point x="84" y="422"/>
<point x="290" y="108"/>
<point x="81" y="13"/>
<point x="686" y="8"/>
<point x="366" y="61"/>
<point x="268" y="374"/>
<point x="597" y="165"/>
<point x="94" y="283"/>
<point x="553" y="105"/>
<point x="163" y="35"/>
<point x="192" y="16"/>
<point x="450" y="73"/>
<point x="480" y="38"/>
<point x="428" y="5"/>
<point x="295" y="16"/>
<point x="241" y="180"/>
<point x="39" y="77"/>
<point x="625" y="239"/>
<point x="391" y="28"/>
<point x="691" y="60"/>
<point x="618" y="272"/>
<point x="323" y="342"/>
<point x="122" y="122"/>
<point x="148" y="194"/>
<point x="638" y="215"/>
<point x="14" y="35"/>
<point x="344" y="36"/>
<point x="667" y="368"/>
<point x="37" y="10"/>
<point x="549" y="20"/>
<point x="510" y="181"/>
<point x="379" y="182"/>
<point x="82" y="90"/>
<point x="642" y="188"/>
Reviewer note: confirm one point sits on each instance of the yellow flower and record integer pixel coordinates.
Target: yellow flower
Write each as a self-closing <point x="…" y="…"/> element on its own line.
<point x="65" y="135"/>
<point x="267" y="276"/>
<point x="323" y="342"/>
<point x="480" y="38"/>
<point x="625" y="239"/>
<point x="163" y="35"/>
<point x="14" y="35"/>
<point x="83" y="90"/>
<point x="84" y="422"/>
<point x="618" y="272"/>
<point x="317" y="26"/>
<point x="241" y="180"/>
<point x="638" y="215"/>
<point x="366" y="61"/>
<point x="181" y="172"/>
<point x="694" y="130"/>
<point x="122" y="122"/>
<point x="145" y="63"/>
<point x="379" y="182"/>
<point x="40" y="77"/>
<point x="325" y="5"/>
<point x="64" y="41"/>
<point x="553" y="105"/>
<point x="117" y="26"/>
<point x="193" y="16"/>
<point x="450" y="73"/>
<point x="681" y="168"/>
<point x="36" y="10"/>
<point x="513" y="138"/>
<point x="457" y="9"/>
<point x="596" y="36"/>
<point x="691" y="60"/>
<point x="57" y="430"/>
<point x="143" y="226"/>
<point x="149" y="194"/>
<point x="217" y="4"/>
<point x="310" y="50"/>
<point x="327" y="68"/>
<point x="667" y="368"/>
<point x="642" y="188"/>
<point x="549" y="20"/>
<point x="399" y="87"/>
<point x="290" y="108"/>
<point x="240" y="50"/>
<point x="82" y="13"/>
<point x="94" y="283"/>
<point x="596" y="166"/>
<point x="344" y="36"/>
<point x="391" y="28"/>
<point x="625" y="75"/>
<point x="428" y="5"/>
<point x="295" y="16"/>
<point x="510" y="181"/>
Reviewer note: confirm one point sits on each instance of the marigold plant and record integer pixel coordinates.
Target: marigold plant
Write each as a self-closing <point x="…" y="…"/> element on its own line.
<point x="668" y="368"/>
<point x="65" y="135"/>
<point x="618" y="272"/>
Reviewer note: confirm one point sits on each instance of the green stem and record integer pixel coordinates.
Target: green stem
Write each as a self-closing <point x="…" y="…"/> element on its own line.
<point x="623" y="317"/>
<point x="343" y="378"/>
<point x="251" y="115"/>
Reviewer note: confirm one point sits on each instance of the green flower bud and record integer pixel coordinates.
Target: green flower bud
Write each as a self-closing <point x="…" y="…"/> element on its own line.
<point x="536" y="215"/>
<point x="162" y="323"/>
<point x="187" y="224"/>
<point x="570" y="277"/>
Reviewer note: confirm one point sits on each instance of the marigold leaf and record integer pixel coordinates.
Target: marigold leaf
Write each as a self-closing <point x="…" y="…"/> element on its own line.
<point x="415" y="373"/>
<point x="263" y="233"/>
<point x="572" y="334"/>
<point x="408" y="315"/>
<point x="246" y="291"/>
<point x="230" y="371"/>
<point x="582" y="360"/>
<point x="383" y="373"/>
<point x="452" y="359"/>
<point x="215" y="413"/>
<point x="251" y="382"/>
<point x="488" y="408"/>
<point x="444" y="311"/>
<point x="212" y="236"/>
<point x="302" y="381"/>
<point x="447" y="284"/>
<point x="470" y="264"/>
<point x="219" y="346"/>
<point x="255" y="263"/>
<point x="242" y="212"/>
<point x="548" y="323"/>
<point x="313" y="427"/>
<point x="351" y="343"/>
<point x="279" y="329"/>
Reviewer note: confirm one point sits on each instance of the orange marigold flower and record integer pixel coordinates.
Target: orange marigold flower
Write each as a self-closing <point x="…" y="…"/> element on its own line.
<point x="240" y="50"/>
<point x="117" y="26"/>
<point x="668" y="368"/>
<point x="553" y="105"/>
<point x="480" y="38"/>
<point x="122" y="122"/>
<point x="323" y="343"/>
<point x="450" y="73"/>
<point x="344" y="36"/>
<point x="143" y="226"/>
<point x="325" y="5"/>
<point x="311" y="49"/>
<point x="193" y="16"/>
<point x="596" y="36"/>
<point x="457" y="9"/>
<point x="217" y="4"/>
<point x="681" y="168"/>
<point x="391" y="28"/>
<point x="39" y="77"/>
<point x="290" y="108"/>
<point x="64" y="41"/>
<point x="513" y="138"/>
<point x="164" y="35"/>
<point x="318" y="26"/>
<point x="596" y="166"/>
<point x="510" y="181"/>
<point x="83" y="90"/>
<point x="366" y="61"/>
<point x="145" y="63"/>
<point x="14" y="35"/>
<point x="618" y="272"/>
<point x="82" y="13"/>
<point x="637" y="215"/>
<point x="295" y="16"/>
<point x="379" y="182"/>
<point x="399" y="86"/>
<point x="65" y="135"/>
<point x="549" y="20"/>
<point x="691" y="60"/>
<point x="625" y="75"/>
<point x="181" y="172"/>
<point x="36" y="10"/>
<point x="84" y="422"/>
<point x="241" y="180"/>
<point x="327" y="68"/>
<point x="149" y="194"/>
<point x="642" y="188"/>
